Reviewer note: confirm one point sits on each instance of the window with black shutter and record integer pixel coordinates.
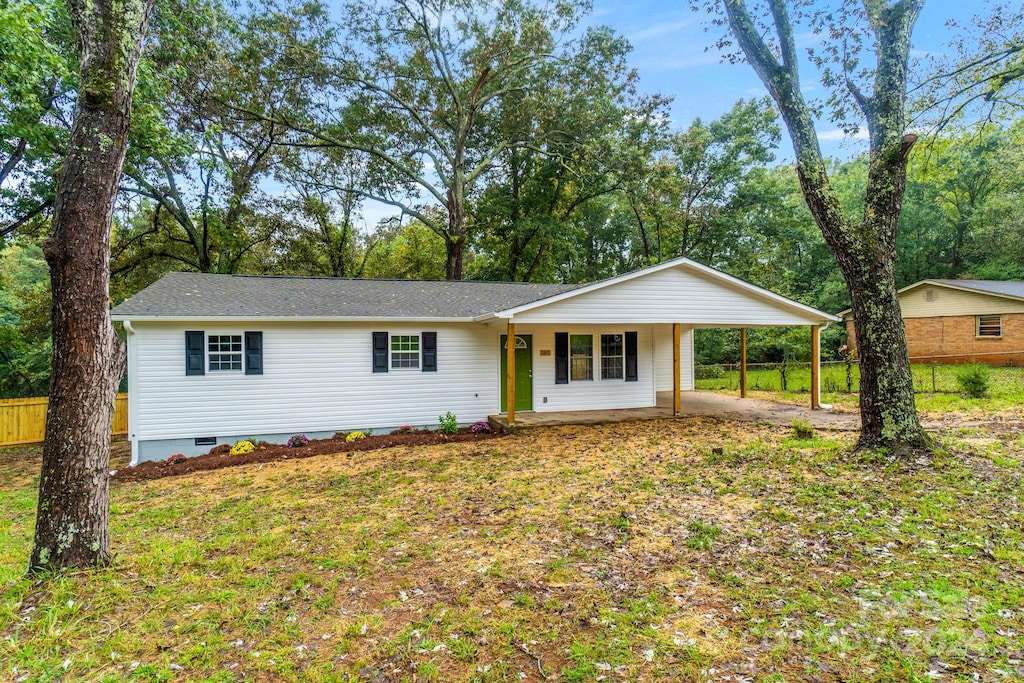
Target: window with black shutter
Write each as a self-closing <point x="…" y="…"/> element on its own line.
<point x="194" y="343"/>
<point x="632" y="364"/>
<point x="561" y="357"/>
<point x="254" y="353"/>
<point x="428" y="348"/>
<point x="380" y="351"/>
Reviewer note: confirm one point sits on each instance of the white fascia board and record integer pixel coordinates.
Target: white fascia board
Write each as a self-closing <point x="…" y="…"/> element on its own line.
<point x="714" y="274"/>
<point x="281" y="319"/>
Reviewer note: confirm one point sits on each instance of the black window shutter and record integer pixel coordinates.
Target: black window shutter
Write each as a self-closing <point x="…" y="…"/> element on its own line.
<point x="254" y="353"/>
<point x="380" y="351"/>
<point x="428" y="349"/>
<point x="194" y="355"/>
<point x="632" y="375"/>
<point x="561" y="357"/>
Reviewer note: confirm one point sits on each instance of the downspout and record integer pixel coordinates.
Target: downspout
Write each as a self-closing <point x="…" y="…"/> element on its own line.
<point x="130" y="344"/>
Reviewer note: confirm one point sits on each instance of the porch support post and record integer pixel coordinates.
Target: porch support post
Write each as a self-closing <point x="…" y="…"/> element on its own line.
<point x="677" y="399"/>
<point x="743" y="362"/>
<point x="815" y="367"/>
<point x="510" y="375"/>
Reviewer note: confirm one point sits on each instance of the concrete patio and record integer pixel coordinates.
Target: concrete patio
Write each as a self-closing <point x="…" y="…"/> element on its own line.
<point x="694" y="404"/>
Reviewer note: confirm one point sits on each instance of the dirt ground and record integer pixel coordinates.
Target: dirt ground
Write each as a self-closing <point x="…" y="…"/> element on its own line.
<point x="220" y="456"/>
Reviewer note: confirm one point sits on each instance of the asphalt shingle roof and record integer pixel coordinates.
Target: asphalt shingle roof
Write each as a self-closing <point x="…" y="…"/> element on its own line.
<point x="1004" y="287"/>
<point x="185" y="295"/>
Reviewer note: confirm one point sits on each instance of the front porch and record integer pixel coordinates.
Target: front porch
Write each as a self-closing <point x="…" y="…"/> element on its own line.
<point x="692" y="404"/>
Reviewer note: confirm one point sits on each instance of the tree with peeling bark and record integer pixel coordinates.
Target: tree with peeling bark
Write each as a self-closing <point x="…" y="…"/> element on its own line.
<point x="88" y="359"/>
<point x="865" y="247"/>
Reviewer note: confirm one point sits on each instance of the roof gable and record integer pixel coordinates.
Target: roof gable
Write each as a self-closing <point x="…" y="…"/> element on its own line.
<point x="680" y="290"/>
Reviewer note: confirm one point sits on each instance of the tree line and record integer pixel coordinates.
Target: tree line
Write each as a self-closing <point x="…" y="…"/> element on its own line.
<point x="512" y="146"/>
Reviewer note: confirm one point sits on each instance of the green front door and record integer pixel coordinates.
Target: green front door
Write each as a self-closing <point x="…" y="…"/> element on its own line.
<point x="524" y="372"/>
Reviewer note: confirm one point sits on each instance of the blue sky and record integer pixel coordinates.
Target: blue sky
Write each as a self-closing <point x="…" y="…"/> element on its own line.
<point x="669" y="43"/>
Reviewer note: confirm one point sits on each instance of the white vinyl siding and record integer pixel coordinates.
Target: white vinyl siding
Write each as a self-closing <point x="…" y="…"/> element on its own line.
<point x="670" y="295"/>
<point x="663" y="358"/>
<point x="597" y="394"/>
<point x="947" y="301"/>
<point x="317" y="377"/>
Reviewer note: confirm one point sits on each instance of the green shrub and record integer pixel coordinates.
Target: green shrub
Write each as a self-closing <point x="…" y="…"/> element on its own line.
<point x="802" y="429"/>
<point x="449" y="423"/>
<point x="973" y="380"/>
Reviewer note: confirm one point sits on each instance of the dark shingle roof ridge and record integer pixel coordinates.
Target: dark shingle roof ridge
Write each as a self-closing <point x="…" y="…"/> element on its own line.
<point x="567" y="285"/>
<point x="191" y="294"/>
<point x="957" y="281"/>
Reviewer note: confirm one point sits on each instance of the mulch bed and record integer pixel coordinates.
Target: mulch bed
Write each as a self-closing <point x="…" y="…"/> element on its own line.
<point x="219" y="457"/>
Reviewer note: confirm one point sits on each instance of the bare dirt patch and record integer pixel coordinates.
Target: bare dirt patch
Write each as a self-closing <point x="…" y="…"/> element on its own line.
<point x="220" y="457"/>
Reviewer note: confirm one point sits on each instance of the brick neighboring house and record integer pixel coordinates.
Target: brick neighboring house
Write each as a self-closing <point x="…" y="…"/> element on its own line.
<point x="961" y="321"/>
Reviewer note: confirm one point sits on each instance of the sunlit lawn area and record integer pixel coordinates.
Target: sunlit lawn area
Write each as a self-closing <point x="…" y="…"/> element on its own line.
<point x="661" y="551"/>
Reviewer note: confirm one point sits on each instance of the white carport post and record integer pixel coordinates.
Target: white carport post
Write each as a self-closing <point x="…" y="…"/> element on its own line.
<point x="677" y="399"/>
<point x="815" y="367"/>
<point x="510" y="375"/>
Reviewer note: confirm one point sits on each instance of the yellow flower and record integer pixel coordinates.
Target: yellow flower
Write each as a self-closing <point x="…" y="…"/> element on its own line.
<point x="355" y="436"/>
<point x="243" y="447"/>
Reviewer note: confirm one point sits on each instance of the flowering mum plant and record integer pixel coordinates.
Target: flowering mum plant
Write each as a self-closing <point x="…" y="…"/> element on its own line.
<point x="354" y="436"/>
<point x="481" y="427"/>
<point x="298" y="441"/>
<point x="405" y="429"/>
<point x="176" y="458"/>
<point x="243" y="447"/>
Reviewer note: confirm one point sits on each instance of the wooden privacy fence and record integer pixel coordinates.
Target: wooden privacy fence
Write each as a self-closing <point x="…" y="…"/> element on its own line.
<point x="23" y="420"/>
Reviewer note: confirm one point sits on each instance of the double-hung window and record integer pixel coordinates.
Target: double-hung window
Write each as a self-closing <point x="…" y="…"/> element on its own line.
<point x="581" y="356"/>
<point x="224" y="352"/>
<point x="405" y="351"/>
<point x="611" y="356"/>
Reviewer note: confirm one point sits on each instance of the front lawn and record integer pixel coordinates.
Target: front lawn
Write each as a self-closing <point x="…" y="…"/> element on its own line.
<point x="668" y="550"/>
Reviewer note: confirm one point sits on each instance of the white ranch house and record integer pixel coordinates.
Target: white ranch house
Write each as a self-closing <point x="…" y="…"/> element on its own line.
<point x="216" y="358"/>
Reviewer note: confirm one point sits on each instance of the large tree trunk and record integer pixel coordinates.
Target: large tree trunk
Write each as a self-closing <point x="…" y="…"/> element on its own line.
<point x="866" y="255"/>
<point x="455" y="237"/>
<point x="72" y="518"/>
<point x="866" y="252"/>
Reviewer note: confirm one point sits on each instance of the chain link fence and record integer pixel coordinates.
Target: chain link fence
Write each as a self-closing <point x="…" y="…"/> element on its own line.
<point x="841" y="377"/>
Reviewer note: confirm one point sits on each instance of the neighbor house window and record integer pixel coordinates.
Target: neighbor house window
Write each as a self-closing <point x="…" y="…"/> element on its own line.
<point x="225" y="351"/>
<point x="990" y="326"/>
<point x="611" y="356"/>
<point x="581" y="356"/>
<point x="405" y="350"/>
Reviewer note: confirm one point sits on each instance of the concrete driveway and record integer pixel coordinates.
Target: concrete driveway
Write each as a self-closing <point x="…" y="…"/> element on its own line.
<point x="696" y="404"/>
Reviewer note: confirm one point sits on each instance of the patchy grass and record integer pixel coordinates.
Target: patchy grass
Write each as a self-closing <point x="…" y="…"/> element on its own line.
<point x="614" y="552"/>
